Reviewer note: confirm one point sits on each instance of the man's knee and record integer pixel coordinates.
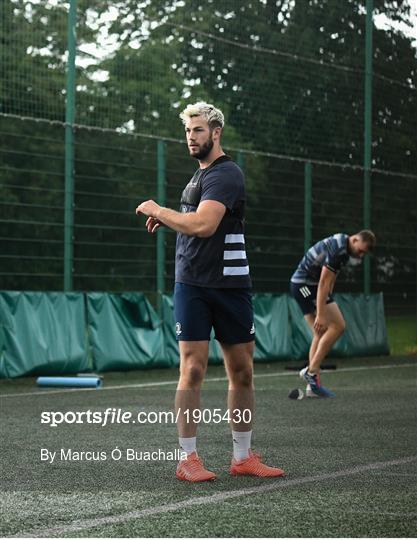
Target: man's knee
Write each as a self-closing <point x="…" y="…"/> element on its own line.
<point x="193" y="362"/>
<point x="193" y="374"/>
<point x="192" y="367"/>
<point x="339" y="327"/>
<point x="242" y="376"/>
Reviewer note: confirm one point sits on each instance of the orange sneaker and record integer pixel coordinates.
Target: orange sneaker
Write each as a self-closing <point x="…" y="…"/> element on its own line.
<point x="192" y="470"/>
<point x="253" y="466"/>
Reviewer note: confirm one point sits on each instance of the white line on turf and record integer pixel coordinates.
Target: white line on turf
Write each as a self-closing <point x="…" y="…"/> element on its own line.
<point x="404" y="475"/>
<point x="48" y="392"/>
<point x="216" y="498"/>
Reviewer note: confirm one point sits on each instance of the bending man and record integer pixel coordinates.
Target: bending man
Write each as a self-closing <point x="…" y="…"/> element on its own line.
<point x="312" y="286"/>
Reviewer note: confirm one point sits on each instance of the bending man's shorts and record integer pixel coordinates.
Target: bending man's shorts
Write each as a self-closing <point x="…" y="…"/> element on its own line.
<point x="198" y="309"/>
<point x="306" y="296"/>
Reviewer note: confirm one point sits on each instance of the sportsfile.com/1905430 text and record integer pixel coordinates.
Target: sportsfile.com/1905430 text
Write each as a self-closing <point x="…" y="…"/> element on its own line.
<point x="112" y="416"/>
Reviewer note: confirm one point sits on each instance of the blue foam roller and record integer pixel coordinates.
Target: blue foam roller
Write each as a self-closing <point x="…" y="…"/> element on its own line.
<point x="85" y="382"/>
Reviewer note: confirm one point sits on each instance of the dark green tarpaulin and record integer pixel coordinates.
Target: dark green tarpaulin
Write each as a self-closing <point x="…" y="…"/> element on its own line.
<point x="125" y="332"/>
<point x="365" y="333"/>
<point x="47" y="333"/>
<point x="42" y="333"/>
<point x="273" y="333"/>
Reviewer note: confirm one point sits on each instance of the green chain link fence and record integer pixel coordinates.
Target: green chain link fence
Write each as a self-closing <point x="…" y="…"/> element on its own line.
<point x="89" y="126"/>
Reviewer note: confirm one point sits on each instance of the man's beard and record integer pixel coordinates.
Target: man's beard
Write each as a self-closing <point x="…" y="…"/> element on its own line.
<point x="205" y="150"/>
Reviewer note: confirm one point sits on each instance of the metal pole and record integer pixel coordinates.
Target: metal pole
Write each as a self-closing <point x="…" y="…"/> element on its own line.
<point x="240" y="160"/>
<point x="308" y="174"/>
<point x="160" y="237"/>
<point x="69" y="149"/>
<point x="368" y="138"/>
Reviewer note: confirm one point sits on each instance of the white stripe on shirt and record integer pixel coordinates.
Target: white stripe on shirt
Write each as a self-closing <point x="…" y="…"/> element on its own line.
<point x="339" y="239"/>
<point x="234" y="239"/>
<point x="230" y="255"/>
<point x="313" y="252"/>
<point x="236" y="270"/>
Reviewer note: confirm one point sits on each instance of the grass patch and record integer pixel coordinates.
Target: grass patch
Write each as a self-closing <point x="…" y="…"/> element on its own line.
<point x="402" y="334"/>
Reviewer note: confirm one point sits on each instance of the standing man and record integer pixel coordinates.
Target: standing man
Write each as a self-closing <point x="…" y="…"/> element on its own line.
<point x="312" y="286"/>
<point x="212" y="290"/>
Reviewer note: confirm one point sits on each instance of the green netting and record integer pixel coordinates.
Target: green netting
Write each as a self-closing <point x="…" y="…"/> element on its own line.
<point x="290" y="79"/>
<point x="394" y="213"/>
<point x="31" y="205"/>
<point x="33" y="58"/>
<point x="112" y="250"/>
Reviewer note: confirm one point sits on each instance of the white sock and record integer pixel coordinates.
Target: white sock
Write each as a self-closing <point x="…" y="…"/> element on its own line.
<point x="241" y="444"/>
<point x="188" y="444"/>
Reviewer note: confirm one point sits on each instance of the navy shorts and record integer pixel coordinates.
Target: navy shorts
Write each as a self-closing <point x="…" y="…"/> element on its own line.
<point x="306" y="296"/>
<point x="199" y="309"/>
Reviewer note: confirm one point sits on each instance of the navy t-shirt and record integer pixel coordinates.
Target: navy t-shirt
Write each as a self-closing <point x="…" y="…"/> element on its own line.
<point x="220" y="260"/>
<point x="331" y="252"/>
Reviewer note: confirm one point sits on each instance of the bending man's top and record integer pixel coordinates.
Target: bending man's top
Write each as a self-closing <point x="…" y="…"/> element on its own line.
<point x="331" y="252"/>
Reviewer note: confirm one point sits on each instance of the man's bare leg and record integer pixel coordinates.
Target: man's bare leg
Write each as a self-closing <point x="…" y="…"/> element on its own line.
<point x="193" y="366"/>
<point x="320" y="347"/>
<point x="335" y="328"/>
<point x="238" y="360"/>
<point x="316" y="338"/>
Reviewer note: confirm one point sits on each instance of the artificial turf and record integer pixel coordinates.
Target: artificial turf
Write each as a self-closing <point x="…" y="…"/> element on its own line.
<point x="371" y="421"/>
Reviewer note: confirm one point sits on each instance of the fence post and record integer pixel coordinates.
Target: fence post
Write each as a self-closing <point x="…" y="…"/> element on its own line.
<point x="69" y="149"/>
<point x="367" y="138"/>
<point x="160" y="237"/>
<point x="240" y="159"/>
<point x="307" y="205"/>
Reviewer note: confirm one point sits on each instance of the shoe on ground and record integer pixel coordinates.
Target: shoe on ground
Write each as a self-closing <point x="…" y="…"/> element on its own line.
<point x="192" y="469"/>
<point x="310" y="393"/>
<point x="313" y="381"/>
<point x="253" y="466"/>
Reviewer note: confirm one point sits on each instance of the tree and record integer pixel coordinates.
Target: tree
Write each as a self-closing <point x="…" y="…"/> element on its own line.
<point x="289" y="74"/>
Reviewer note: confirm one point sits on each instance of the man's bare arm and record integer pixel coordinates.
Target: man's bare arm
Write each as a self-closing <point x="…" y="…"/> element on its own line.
<point x="203" y="222"/>
<point x="326" y="284"/>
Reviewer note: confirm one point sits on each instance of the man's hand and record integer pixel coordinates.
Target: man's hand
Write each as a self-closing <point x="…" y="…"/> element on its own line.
<point x="201" y="223"/>
<point x="320" y="325"/>
<point x="150" y="208"/>
<point x="153" y="224"/>
<point x="326" y="284"/>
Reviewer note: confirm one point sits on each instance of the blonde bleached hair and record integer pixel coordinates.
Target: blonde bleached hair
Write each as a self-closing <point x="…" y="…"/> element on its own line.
<point x="213" y="116"/>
